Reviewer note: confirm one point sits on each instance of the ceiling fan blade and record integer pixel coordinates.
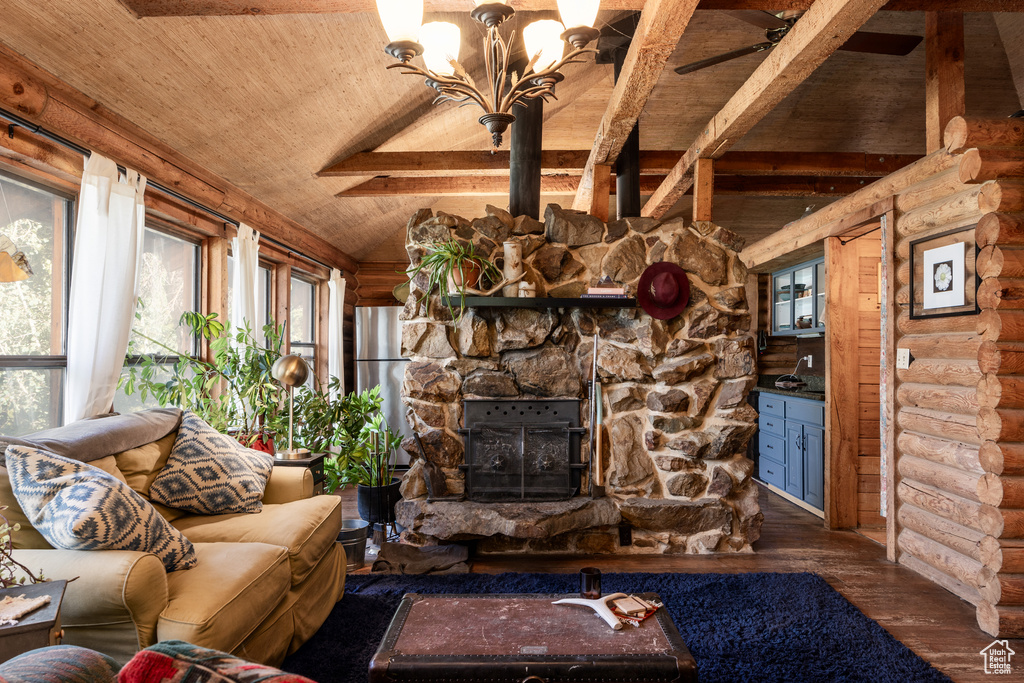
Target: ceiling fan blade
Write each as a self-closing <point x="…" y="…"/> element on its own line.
<point x="724" y="57"/>
<point x="759" y="18"/>
<point x="881" y="43"/>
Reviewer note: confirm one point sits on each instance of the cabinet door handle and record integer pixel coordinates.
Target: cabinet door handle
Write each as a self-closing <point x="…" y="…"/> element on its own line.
<point x="798" y="442"/>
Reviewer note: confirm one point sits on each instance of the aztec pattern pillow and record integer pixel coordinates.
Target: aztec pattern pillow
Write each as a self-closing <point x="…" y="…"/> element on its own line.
<point x="80" y="507"/>
<point x="175" y="661"/>
<point x="209" y="473"/>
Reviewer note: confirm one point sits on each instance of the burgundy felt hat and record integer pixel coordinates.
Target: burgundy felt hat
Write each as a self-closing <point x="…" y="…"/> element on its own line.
<point x="663" y="290"/>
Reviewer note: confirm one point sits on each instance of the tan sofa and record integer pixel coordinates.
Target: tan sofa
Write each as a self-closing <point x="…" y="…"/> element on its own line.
<point x="264" y="582"/>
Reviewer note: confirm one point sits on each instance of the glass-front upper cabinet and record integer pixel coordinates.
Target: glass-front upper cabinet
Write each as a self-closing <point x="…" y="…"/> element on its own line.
<point x="798" y="298"/>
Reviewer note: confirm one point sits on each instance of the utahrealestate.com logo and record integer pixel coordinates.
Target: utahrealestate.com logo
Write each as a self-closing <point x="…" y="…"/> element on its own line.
<point x="997" y="657"/>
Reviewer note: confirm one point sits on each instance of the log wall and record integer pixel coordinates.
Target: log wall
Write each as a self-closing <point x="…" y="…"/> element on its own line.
<point x="377" y="279"/>
<point x="779" y="356"/>
<point x="960" y="405"/>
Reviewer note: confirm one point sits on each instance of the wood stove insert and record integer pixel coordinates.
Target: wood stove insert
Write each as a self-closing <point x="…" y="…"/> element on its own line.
<point x="522" y="450"/>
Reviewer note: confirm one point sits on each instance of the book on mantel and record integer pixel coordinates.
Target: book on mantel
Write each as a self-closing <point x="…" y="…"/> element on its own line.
<point x="606" y="288"/>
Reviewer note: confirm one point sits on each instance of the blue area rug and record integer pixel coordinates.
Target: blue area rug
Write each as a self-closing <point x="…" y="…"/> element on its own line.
<point x="739" y="627"/>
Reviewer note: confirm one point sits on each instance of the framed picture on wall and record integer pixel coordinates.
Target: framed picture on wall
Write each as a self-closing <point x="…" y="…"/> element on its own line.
<point x="943" y="276"/>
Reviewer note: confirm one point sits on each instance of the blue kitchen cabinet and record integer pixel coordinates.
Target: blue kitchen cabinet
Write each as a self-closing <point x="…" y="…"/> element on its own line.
<point x="791" y="446"/>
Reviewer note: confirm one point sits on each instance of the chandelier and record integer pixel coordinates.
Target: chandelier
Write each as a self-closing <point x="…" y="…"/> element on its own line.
<point x="438" y="42"/>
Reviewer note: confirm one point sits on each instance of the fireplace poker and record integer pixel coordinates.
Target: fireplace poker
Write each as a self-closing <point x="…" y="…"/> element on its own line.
<point x="595" y="396"/>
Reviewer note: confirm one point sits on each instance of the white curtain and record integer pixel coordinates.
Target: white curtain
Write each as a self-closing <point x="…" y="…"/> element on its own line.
<point x="104" y="285"/>
<point x="245" y="249"/>
<point x="335" y="323"/>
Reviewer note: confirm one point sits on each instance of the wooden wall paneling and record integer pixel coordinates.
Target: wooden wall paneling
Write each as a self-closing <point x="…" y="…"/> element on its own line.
<point x="868" y="345"/>
<point x="944" y="73"/>
<point x="282" y="303"/>
<point x="842" y="431"/>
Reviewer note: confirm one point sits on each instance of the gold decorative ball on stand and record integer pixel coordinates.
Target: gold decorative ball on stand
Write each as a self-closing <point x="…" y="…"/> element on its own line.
<point x="291" y="371"/>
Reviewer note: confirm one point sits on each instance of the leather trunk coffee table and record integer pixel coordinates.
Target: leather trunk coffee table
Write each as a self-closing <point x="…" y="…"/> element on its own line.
<point x="523" y="638"/>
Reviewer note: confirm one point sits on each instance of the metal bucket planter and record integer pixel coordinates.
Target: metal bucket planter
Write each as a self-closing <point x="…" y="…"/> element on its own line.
<point x="353" y="539"/>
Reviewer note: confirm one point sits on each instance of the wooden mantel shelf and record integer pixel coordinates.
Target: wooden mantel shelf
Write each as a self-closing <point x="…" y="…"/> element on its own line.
<point x="541" y="302"/>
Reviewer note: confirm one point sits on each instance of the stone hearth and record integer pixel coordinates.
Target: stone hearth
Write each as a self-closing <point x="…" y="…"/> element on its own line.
<point x="674" y="391"/>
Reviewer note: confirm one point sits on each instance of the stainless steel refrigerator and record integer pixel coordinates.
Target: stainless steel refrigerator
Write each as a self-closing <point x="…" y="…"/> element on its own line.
<point x="379" y="361"/>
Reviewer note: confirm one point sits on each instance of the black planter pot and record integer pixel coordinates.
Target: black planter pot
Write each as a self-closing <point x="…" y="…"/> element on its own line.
<point x="368" y="500"/>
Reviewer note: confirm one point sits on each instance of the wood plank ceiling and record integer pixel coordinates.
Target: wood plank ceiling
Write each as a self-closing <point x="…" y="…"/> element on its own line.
<point x="269" y="101"/>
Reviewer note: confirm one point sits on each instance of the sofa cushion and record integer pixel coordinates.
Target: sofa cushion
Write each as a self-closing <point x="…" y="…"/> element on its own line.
<point x="174" y="661"/>
<point x="27" y="536"/>
<point x="308" y="528"/>
<point x="210" y="473"/>
<point x="140" y="465"/>
<point x="229" y="592"/>
<point x="80" y="507"/>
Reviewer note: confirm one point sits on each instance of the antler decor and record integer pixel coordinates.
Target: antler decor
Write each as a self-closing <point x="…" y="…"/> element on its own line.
<point x="504" y="89"/>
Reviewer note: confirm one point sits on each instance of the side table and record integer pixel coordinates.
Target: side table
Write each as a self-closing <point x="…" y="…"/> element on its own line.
<point x="36" y="629"/>
<point x="314" y="463"/>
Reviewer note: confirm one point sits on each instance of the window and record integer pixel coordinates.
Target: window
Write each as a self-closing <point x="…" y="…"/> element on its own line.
<point x="263" y="299"/>
<point x="302" y="318"/>
<point x="168" y="287"/>
<point x="33" y="312"/>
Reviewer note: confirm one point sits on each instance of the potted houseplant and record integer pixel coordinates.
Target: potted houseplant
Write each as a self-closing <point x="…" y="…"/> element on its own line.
<point x="453" y="266"/>
<point x="233" y="391"/>
<point x="377" y="488"/>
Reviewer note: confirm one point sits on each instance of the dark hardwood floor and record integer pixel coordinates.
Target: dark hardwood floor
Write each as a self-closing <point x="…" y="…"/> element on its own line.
<point x="934" y="623"/>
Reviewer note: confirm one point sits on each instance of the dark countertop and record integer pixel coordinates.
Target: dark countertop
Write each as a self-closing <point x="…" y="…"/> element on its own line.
<point x="812" y="395"/>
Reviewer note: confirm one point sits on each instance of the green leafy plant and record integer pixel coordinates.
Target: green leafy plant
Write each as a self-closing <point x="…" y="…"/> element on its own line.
<point x="451" y="261"/>
<point x="233" y="391"/>
<point x="346" y="427"/>
<point x="377" y="466"/>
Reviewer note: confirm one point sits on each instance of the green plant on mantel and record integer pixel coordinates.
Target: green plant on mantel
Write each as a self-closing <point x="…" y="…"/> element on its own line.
<point x="451" y="264"/>
<point x="233" y="392"/>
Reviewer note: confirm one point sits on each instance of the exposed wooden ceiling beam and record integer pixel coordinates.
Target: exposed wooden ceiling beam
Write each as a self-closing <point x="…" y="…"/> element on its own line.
<point x="189" y="8"/>
<point x="661" y="24"/>
<point x="571" y="162"/>
<point x="818" y="33"/>
<point x="496" y="186"/>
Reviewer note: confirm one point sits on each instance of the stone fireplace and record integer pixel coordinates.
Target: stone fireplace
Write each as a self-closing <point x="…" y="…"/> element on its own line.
<point x="675" y="412"/>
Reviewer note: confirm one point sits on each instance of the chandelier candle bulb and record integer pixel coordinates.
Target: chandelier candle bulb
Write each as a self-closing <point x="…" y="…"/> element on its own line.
<point x="579" y="16"/>
<point x="440" y="41"/>
<point x="576" y="13"/>
<point x="544" y="41"/>
<point x="401" y="19"/>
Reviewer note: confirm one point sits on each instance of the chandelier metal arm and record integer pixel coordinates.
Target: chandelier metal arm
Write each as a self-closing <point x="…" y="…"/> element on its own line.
<point x="447" y="85"/>
<point x="517" y="92"/>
